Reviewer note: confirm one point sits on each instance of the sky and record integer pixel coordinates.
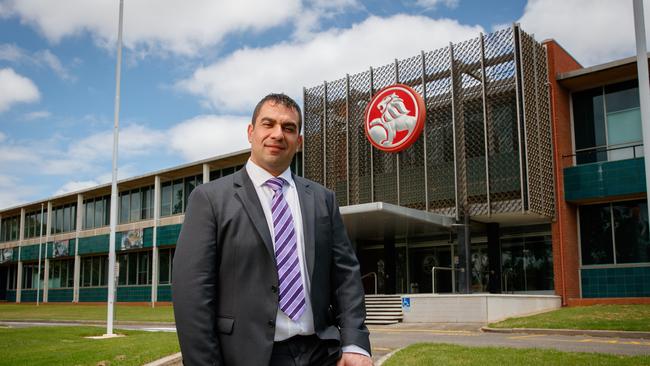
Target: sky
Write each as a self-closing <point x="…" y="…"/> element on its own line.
<point x="193" y="70"/>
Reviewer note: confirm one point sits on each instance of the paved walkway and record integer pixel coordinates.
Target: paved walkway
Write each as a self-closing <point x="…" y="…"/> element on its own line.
<point x="385" y="339"/>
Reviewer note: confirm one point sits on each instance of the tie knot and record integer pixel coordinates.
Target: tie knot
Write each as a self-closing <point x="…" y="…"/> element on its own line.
<point x="275" y="184"/>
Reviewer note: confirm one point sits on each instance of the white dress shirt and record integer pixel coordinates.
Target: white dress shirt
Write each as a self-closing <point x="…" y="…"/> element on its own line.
<point x="286" y="328"/>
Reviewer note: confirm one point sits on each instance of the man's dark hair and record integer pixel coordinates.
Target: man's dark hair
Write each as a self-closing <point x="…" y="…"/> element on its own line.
<point x="281" y="99"/>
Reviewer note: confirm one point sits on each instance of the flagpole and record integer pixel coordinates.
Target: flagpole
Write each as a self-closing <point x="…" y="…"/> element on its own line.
<point x="113" y="220"/>
<point x="40" y="242"/>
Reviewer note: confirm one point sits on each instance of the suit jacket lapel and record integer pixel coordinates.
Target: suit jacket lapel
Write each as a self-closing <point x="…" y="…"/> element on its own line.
<point x="246" y="192"/>
<point x="306" y="197"/>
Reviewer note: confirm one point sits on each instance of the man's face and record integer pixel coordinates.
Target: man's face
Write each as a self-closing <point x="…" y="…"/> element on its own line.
<point x="275" y="137"/>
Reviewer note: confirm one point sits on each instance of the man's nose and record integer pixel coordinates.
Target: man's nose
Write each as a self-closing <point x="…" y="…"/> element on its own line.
<point x="276" y="132"/>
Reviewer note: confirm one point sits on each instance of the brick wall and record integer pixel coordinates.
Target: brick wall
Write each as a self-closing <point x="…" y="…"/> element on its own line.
<point x="564" y="227"/>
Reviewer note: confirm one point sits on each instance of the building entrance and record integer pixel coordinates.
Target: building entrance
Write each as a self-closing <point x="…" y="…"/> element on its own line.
<point x="430" y="269"/>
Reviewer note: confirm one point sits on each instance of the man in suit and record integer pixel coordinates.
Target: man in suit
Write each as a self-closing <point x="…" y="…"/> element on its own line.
<point x="264" y="273"/>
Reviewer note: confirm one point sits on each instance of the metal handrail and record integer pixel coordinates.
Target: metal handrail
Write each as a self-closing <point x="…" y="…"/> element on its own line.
<point x="371" y="274"/>
<point x="453" y="279"/>
<point x="599" y="149"/>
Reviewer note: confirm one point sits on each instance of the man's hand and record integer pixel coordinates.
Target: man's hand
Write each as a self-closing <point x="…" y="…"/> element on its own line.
<point x="354" y="359"/>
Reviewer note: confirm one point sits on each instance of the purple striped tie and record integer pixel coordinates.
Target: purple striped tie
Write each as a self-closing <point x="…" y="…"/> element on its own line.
<point x="292" y="297"/>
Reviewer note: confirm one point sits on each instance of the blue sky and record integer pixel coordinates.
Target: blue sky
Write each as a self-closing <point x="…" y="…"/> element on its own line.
<point x="193" y="70"/>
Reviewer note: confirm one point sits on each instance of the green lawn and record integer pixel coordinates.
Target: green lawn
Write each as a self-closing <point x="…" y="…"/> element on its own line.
<point x="124" y="313"/>
<point x="599" y="317"/>
<point x="67" y="346"/>
<point x="427" y="354"/>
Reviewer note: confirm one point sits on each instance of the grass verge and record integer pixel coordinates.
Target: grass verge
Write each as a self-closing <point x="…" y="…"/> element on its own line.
<point x="596" y="317"/>
<point x="67" y="346"/>
<point x="131" y="313"/>
<point x="453" y="355"/>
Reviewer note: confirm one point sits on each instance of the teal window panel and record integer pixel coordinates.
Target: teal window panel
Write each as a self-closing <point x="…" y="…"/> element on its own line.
<point x="30" y="295"/>
<point x="616" y="282"/>
<point x="168" y="235"/>
<point x="606" y="179"/>
<point x="148" y="237"/>
<point x="134" y="293"/>
<point x="93" y="244"/>
<point x="60" y="295"/>
<point x="164" y="293"/>
<point x="93" y="294"/>
<point x="11" y="295"/>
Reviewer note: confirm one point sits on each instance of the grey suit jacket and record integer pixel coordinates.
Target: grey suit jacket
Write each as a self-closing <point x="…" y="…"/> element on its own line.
<point x="224" y="280"/>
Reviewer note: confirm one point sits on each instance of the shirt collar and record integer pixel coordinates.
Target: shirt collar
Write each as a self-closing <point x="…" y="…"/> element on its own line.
<point x="259" y="176"/>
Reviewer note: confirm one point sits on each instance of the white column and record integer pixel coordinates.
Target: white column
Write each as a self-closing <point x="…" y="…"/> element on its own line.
<point x="206" y="173"/>
<point x="19" y="282"/>
<point x="46" y="277"/>
<point x="154" y="255"/>
<point x="644" y="83"/>
<point x="21" y="233"/>
<point x="81" y="213"/>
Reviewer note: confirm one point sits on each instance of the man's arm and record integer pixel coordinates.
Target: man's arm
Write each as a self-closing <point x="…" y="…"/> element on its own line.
<point x="194" y="283"/>
<point x="347" y="290"/>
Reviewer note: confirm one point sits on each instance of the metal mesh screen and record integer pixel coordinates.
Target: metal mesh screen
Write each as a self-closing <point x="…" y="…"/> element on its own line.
<point x="503" y="139"/>
<point x="336" y="141"/>
<point x="313" y="134"/>
<point x="482" y="110"/>
<point x="441" y="183"/>
<point x="411" y="161"/>
<point x="360" y="149"/>
<point x="537" y="126"/>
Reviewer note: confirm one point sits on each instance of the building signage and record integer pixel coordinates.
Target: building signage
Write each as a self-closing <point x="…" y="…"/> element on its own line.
<point x="395" y="118"/>
<point x="60" y="249"/>
<point x="132" y="239"/>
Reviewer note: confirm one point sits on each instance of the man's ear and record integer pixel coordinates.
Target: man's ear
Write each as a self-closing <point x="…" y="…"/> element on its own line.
<point x="299" y="143"/>
<point x="250" y="133"/>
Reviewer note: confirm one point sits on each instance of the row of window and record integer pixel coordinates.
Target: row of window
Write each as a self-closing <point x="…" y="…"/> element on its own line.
<point x="134" y="205"/>
<point x="607" y="123"/>
<point x="34" y="226"/>
<point x="9" y="228"/>
<point x="614" y="233"/>
<point x="135" y="269"/>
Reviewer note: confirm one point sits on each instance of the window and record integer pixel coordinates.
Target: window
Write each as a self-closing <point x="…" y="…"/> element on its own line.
<point x="12" y="277"/>
<point x="64" y="218"/>
<point x="527" y="263"/>
<point x="97" y="212"/>
<point x="33" y="224"/>
<point x="166" y="256"/>
<point x="31" y="276"/>
<point x="216" y="174"/>
<point x="9" y="227"/>
<point x="607" y="123"/>
<point x="135" y="268"/>
<point x="174" y="195"/>
<point x="94" y="271"/>
<point x="614" y="233"/>
<point x="136" y="204"/>
<point x="61" y="273"/>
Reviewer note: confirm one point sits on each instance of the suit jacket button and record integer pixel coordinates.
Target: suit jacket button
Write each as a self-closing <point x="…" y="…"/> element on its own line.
<point x="274" y="289"/>
<point x="271" y="323"/>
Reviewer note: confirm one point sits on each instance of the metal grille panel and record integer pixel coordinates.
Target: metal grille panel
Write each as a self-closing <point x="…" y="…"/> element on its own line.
<point x="470" y="158"/>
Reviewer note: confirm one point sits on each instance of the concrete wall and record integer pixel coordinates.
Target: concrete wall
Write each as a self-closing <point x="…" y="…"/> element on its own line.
<point x="474" y="308"/>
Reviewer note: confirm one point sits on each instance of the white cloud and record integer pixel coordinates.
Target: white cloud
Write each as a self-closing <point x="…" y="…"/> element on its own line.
<point x="36" y="115"/>
<point x="74" y="186"/>
<point x="234" y="82"/>
<point x="205" y="136"/>
<point x="15" y="88"/>
<point x="593" y="31"/>
<point x="11" y="52"/>
<point x="12" y="192"/>
<point x="169" y="25"/>
<point x="43" y="58"/>
<point x="430" y="4"/>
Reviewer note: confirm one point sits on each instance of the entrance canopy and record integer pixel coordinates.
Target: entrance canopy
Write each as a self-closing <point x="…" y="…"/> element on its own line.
<point x="372" y="220"/>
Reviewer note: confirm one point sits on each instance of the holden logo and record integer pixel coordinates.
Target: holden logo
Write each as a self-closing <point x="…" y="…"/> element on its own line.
<point x="395" y="118"/>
